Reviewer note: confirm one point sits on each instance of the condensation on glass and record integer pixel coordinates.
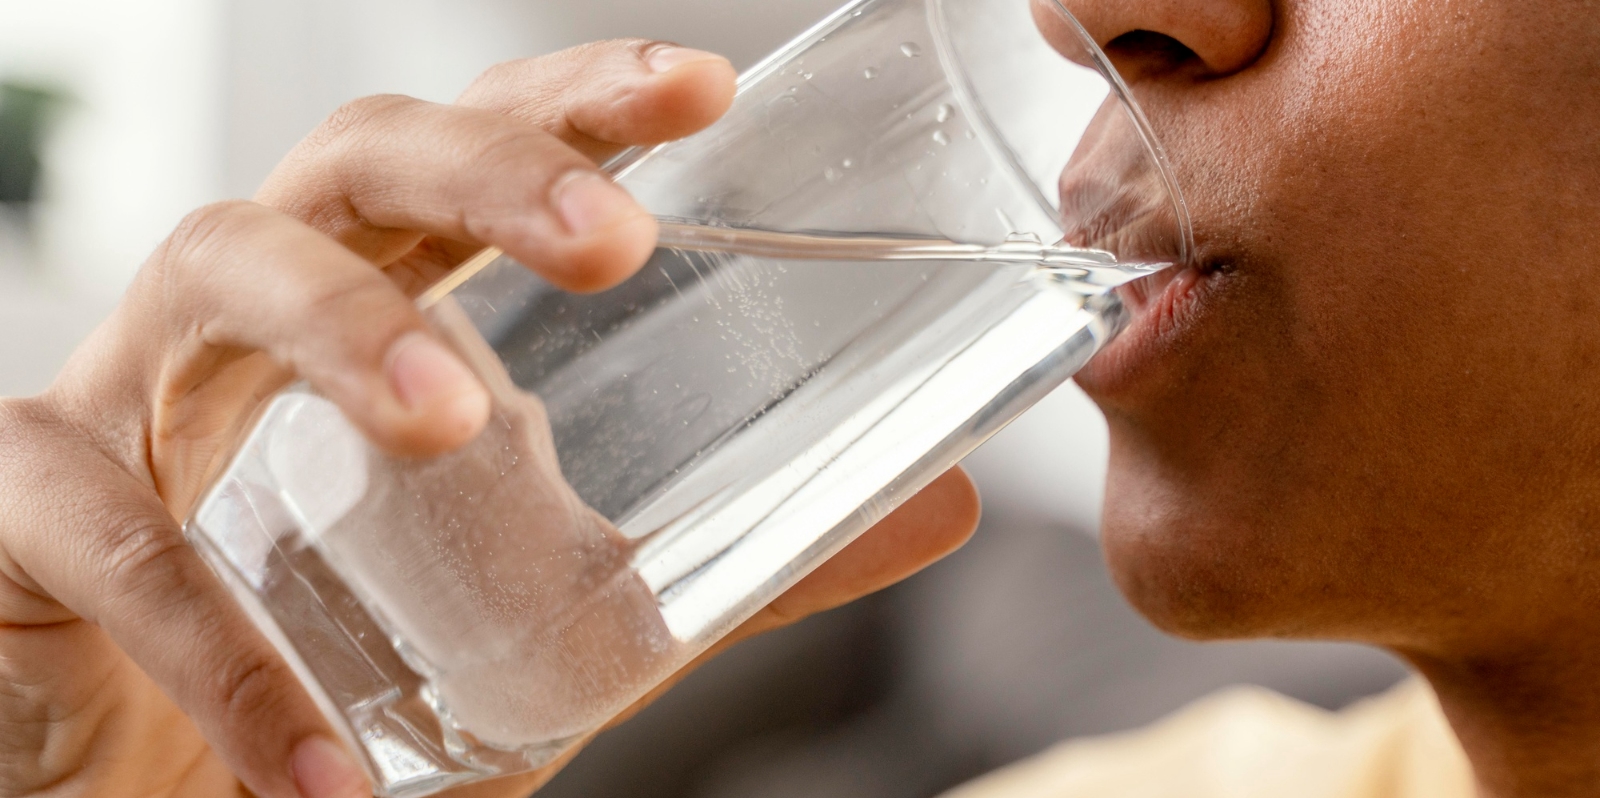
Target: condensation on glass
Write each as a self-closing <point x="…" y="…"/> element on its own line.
<point x="904" y="233"/>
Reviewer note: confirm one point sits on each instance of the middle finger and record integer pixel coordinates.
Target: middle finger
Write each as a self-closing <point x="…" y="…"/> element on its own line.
<point x="385" y="171"/>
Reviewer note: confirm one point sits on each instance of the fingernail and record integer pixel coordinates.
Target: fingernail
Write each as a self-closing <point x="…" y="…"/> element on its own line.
<point x="322" y="769"/>
<point x="425" y="375"/>
<point x="588" y="202"/>
<point x="664" y="58"/>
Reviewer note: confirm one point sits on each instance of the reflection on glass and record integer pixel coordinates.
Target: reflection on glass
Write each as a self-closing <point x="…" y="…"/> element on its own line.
<point x="905" y="232"/>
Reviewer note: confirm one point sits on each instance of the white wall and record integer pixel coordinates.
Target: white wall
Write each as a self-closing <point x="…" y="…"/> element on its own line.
<point x="291" y="62"/>
<point x="137" y="148"/>
<point x="139" y="145"/>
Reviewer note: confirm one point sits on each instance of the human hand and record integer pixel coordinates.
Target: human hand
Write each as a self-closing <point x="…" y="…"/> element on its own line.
<point x="128" y="668"/>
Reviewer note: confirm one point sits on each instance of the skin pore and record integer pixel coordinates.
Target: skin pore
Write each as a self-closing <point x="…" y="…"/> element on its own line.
<point x="1372" y="410"/>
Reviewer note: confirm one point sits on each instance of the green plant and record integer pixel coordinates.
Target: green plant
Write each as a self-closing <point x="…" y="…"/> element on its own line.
<point x="25" y="112"/>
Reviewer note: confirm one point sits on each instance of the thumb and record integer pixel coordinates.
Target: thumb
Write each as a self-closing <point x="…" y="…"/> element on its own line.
<point x="90" y="536"/>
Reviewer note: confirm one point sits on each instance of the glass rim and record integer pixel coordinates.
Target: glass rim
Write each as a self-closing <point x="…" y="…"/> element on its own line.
<point x="960" y="81"/>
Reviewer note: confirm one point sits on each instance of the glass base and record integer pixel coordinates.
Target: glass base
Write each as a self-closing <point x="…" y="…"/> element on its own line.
<point x="374" y="699"/>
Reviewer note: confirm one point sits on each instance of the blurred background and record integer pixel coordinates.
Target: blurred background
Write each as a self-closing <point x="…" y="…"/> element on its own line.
<point x="116" y="118"/>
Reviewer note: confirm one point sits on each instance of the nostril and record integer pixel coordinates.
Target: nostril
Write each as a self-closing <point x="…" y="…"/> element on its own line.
<point x="1144" y="54"/>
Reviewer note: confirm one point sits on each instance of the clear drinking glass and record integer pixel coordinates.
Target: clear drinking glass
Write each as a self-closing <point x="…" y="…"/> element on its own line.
<point x="904" y="233"/>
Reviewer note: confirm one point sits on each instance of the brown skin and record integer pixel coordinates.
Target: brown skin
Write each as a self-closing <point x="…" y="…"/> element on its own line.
<point x="1376" y="416"/>
<point x="125" y="666"/>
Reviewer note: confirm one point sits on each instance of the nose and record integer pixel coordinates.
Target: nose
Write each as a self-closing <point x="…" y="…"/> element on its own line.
<point x="1219" y="37"/>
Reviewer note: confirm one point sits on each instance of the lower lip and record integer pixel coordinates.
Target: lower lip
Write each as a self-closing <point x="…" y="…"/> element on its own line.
<point x="1162" y="307"/>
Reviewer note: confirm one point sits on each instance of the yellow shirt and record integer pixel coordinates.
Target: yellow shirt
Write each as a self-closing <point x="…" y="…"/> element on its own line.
<point x="1248" y="742"/>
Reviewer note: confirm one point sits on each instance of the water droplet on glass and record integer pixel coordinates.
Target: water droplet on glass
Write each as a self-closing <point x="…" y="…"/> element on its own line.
<point x="939" y="136"/>
<point x="849" y="163"/>
<point x="911" y="49"/>
<point x="832" y="175"/>
<point x="807" y="75"/>
<point x="1024" y="238"/>
<point x="944" y="113"/>
<point x="869" y="73"/>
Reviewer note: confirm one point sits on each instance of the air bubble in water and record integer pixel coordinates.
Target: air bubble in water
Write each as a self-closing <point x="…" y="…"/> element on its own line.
<point x="945" y="112"/>
<point x="869" y="73"/>
<point x="911" y="49"/>
<point x="807" y="75"/>
<point x="939" y="136"/>
<point x="849" y="163"/>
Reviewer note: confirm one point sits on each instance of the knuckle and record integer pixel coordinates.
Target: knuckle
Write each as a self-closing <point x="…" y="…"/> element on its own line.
<point x="353" y="118"/>
<point x="203" y="228"/>
<point x="505" y="73"/>
<point x="637" y="47"/>
<point x="149" y="569"/>
<point x="308" y="183"/>
<point x="198" y="240"/>
<point x="538" y="88"/>
<point x="248" y="686"/>
<point x="623" y="47"/>
<point x="142" y="553"/>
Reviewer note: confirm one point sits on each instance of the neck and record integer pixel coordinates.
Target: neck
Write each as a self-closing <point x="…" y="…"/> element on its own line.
<point x="1529" y="720"/>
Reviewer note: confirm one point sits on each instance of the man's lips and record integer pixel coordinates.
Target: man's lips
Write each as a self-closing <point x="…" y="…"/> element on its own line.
<point x="1157" y="296"/>
<point x="1161" y="307"/>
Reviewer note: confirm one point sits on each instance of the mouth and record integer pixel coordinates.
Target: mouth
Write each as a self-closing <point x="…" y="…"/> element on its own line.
<point x="1115" y="195"/>
<point x="1163" y="308"/>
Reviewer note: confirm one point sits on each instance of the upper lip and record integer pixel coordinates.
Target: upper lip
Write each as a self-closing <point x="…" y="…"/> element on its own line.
<point x="1139" y="294"/>
<point x="1164" y="309"/>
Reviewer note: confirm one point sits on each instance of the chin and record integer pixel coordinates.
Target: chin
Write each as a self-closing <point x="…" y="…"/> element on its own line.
<point x="1199" y="565"/>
